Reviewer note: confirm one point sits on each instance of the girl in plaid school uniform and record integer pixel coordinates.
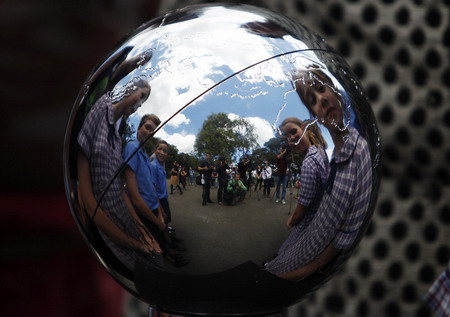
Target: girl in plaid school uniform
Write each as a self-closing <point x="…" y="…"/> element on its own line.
<point x="336" y="225"/>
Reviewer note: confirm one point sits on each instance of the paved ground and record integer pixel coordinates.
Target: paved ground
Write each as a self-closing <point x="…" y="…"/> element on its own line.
<point x="221" y="237"/>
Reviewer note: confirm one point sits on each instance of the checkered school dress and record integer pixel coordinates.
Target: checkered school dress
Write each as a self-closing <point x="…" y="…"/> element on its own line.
<point x="314" y="174"/>
<point x="438" y="296"/>
<point x="341" y="212"/>
<point x="102" y="145"/>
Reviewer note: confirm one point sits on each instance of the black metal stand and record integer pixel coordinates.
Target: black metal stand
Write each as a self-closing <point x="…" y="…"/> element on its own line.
<point x="153" y="312"/>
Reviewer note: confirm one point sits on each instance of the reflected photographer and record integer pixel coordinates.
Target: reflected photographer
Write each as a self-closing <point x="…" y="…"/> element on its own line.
<point x="236" y="191"/>
<point x="258" y="177"/>
<point x="205" y="169"/>
<point x="282" y="165"/>
<point x="267" y="177"/>
<point x="244" y="169"/>
<point x="223" y="171"/>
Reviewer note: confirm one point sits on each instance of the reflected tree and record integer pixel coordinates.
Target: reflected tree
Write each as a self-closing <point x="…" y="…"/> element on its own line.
<point x="172" y="156"/>
<point x="260" y="155"/>
<point x="268" y="151"/>
<point x="245" y="137"/>
<point x="188" y="160"/>
<point x="222" y="136"/>
<point x="274" y="144"/>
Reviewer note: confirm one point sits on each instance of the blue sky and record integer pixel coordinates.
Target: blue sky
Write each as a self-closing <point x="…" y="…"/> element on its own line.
<point x="192" y="56"/>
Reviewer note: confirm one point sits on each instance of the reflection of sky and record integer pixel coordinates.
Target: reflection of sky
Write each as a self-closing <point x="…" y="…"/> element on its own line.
<point x="259" y="106"/>
<point x="189" y="57"/>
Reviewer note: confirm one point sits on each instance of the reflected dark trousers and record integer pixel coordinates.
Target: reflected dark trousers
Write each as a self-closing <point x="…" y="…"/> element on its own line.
<point x="259" y="182"/>
<point x="232" y="199"/>
<point x="222" y="186"/>
<point x="206" y="189"/>
<point x="281" y="182"/>
<point x="266" y="187"/>
<point x="165" y="206"/>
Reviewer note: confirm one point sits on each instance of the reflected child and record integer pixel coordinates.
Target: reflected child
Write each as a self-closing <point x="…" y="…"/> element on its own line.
<point x="100" y="190"/>
<point x="342" y="211"/>
<point x="142" y="188"/>
<point x="160" y="177"/>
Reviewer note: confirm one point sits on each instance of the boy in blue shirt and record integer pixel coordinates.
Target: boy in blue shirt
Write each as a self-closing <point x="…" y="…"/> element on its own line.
<point x="160" y="176"/>
<point x="141" y="186"/>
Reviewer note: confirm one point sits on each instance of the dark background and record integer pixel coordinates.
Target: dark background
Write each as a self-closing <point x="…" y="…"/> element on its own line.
<point x="47" y="50"/>
<point x="398" y="49"/>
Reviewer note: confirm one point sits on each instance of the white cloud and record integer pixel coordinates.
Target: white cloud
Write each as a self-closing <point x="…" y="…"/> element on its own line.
<point x="263" y="129"/>
<point x="178" y="120"/>
<point x="183" y="141"/>
<point x="233" y="116"/>
<point x="190" y="59"/>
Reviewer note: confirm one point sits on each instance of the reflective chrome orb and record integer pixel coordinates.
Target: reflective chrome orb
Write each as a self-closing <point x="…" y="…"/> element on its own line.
<point x="276" y="108"/>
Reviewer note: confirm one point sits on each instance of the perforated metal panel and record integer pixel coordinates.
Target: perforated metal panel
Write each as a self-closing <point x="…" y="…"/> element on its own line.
<point x="400" y="51"/>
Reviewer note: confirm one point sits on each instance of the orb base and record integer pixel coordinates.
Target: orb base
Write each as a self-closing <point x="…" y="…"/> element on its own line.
<point x="154" y="312"/>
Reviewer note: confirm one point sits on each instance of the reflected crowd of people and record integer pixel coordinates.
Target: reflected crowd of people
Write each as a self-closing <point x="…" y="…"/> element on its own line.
<point x="234" y="181"/>
<point x="131" y="210"/>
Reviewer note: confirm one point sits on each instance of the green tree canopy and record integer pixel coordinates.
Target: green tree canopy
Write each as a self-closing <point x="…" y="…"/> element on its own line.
<point x="274" y="144"/>
<point x="260" y="155"/>
<point x="245" y="137"/>
<point x="188" y="160"/>
<point x="224" y="137"/>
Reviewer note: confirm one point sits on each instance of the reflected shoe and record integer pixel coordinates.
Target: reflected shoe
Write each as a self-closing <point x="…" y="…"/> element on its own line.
<point x="171" y="229"/>
<point x="177" y="260"/>
<point x="175" y="239"/>
<point x="283" y="202"/>
<point x="176" y="247"/>
<point x="176" y="256"/>
<point x="277" y="201"/>
<point x="180" y="263"/>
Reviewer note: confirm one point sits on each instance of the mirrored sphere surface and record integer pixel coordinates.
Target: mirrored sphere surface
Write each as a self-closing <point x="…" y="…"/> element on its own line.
<point x="222" y="159"/>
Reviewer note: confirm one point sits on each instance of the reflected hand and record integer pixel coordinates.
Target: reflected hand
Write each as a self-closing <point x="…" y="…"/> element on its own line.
<point x="139" y="246"/>
<point x="161" y="226"/>
<point x="143" y="229"/>
<point x="292" y="221"/>
<point x="152" y="244"/>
